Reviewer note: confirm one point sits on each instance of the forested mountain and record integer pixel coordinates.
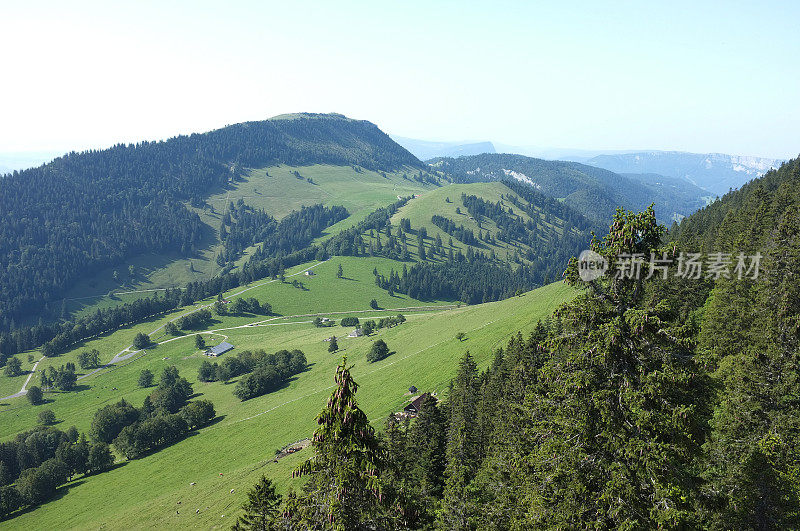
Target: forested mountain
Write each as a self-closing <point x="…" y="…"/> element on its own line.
<point x="648" y="402"/>
<point x="593" y="192"/>
<point x="85" y="211"/>
<point x="715" y="172"/>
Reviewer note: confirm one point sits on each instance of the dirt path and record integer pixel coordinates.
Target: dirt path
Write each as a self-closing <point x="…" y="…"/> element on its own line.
<point x="127" y="353"/>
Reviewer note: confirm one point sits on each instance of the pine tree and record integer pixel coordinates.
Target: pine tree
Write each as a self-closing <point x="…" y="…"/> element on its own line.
<point x="427" y="441"/>
<point x="619" y="409"/>
<point x="334" y="345"/>
<point x="261" y="510"/>
<point x="462" y="446"/>
<point x="343" y="490"/>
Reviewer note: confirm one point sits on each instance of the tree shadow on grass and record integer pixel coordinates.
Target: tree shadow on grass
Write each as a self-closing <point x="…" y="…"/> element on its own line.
<point x="60" y="493"/>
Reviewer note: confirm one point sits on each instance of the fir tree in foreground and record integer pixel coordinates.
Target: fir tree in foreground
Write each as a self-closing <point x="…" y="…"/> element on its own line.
<point x="343" y="491"/>
<point x="262" y="508"/>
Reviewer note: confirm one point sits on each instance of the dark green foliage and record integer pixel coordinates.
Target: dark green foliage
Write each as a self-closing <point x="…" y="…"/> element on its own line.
<point x="349" y="321"/>
<point x="13" y="367"/>
<point x="171" y="328"/>
<point x="145" y="378"/>
<point x="471" y="282"/>
<point x="150" y="434"/>
<point x="141" y="340"/>
<point x="378" y="351"/>
<point x="195" y="320"/>
<point x="461" y="234"/>
<point x="368" y="327"/>
<point x="389" y="322"/>
<point x="37" y="485"/>
<point x="62" y="378"/>
<point x="267" y="372"/>
<point x="251" y="305"/>
<point x="10" y="500"/>
<point x="198" y="413"/>
<point x="343" y="489"/>
<point x="290" y="234"/>
<point x="46" y="417"/>
<point x="109" y="420"/>
<point x="207" y="371"/>
<point x="100" y="458"/>
<point x="172" y="392"/>
<point x="373" y="304"/>
<point x="35" y="395"/>
<point x="89" y="359"/>
<point x="462" y="449"/>
<point x="333" y="346"/>
<point x="261" y="510"/>
<point x="199" y="342"/>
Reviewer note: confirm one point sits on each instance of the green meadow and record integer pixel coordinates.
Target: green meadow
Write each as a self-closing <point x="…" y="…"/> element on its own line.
<point x="156" y="491"/>
<point x="275" y="189"/>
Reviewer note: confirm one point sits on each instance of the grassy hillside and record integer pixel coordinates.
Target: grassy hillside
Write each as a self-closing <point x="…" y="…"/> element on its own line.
<point x="420" y="211"/>
<point x="594" y="192"/>
<point x="275" y="189"/>
<point x="236" y="450"/>
<point x="104" y="208"/>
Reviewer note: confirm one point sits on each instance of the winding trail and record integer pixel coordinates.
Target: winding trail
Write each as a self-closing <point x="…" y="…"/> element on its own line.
<point x="24" y="391"/>
<point x="128" y="354"/>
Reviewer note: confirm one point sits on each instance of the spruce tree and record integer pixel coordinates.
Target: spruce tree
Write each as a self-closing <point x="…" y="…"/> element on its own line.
<point x="343" y="490"/>
<point x="462" y="445"/>
<point x="261" y="510"/>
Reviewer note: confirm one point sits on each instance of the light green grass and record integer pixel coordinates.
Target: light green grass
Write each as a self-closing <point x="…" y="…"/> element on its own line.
<point x="146" y="492"/>
<point x="323" y="292"/>
<point x="420" y="210"/>
<point x="274" y="189"/>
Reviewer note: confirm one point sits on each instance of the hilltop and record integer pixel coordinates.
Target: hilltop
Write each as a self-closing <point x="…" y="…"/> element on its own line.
<point x="103" y="209"/>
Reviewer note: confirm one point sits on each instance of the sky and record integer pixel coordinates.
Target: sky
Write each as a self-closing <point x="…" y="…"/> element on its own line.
<point x="690" y="76"/>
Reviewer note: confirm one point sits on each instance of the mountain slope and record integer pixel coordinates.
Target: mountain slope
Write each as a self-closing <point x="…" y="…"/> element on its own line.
<point x="88" y="211"/>
<point x="715" y="172"/>
<point x="594" y="192"/>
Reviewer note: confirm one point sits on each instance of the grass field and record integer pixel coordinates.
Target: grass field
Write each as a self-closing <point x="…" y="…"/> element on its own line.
<point x="233" y="452"/>
<point x="275" y="189"/>
<point x="420" y="210"/>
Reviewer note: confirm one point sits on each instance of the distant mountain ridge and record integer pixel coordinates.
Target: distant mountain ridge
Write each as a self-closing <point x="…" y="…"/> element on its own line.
<point x="424" y="149"/>
<point x="716" y="172"/>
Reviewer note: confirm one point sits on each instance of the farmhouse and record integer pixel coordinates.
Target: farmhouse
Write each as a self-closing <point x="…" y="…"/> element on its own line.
<point x="219" y="350"/>
<point x="414" y="406"/>
<point x="356" y="333"/>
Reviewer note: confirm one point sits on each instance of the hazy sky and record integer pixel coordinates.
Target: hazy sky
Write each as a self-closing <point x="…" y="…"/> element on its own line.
<point x="692" y="76"/>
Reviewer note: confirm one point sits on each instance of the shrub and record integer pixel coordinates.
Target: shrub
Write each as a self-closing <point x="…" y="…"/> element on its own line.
<point x="141" y="341"/>
<point x="13" y="366"/>
<point x="198" y="413"/>
<point x="349" y="321"/>
<point x="35" y="395"/>
<point x="145" y="378"/>
<point x="47" y="417"/>
<point x="378" y="351"/>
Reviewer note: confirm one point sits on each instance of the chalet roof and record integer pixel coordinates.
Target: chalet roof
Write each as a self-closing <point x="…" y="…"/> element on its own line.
<point x="220" y="349"/>
<point x="416" y="403"/>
